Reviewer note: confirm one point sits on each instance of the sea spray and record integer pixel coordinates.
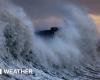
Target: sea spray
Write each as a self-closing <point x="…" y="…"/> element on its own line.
<point x="69" y="54"/>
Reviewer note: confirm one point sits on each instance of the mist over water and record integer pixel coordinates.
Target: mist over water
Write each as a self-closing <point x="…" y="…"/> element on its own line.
<point x="69" y="54"/>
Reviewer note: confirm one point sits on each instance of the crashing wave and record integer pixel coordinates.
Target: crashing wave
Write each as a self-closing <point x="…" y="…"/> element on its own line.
<point x="69" y="54"/>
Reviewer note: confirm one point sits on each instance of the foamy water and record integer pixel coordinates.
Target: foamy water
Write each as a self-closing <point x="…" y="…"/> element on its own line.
<point x="69" y="54"/>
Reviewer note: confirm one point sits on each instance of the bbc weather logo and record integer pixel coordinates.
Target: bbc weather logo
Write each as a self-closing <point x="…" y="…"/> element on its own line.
<point x="16" y="71"/>
<point x="0" y="71"/>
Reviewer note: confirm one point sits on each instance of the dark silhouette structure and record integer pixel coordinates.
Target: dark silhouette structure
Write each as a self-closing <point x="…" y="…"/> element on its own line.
<point x="47" y="33"/>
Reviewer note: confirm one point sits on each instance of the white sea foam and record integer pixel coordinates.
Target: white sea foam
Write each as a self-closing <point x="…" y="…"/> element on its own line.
<point x="72" y="46"/>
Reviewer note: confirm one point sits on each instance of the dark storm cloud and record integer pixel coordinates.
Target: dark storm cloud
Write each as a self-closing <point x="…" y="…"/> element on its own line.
<point x="37" y="7"/>
<point x="41" y="7"/>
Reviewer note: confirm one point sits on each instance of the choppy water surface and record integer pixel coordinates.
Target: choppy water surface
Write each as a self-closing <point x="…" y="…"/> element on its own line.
<point x="69" y="54"/>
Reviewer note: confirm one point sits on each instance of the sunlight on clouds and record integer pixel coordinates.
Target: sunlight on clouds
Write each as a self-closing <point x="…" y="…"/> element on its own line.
<point x="96" y="19"/>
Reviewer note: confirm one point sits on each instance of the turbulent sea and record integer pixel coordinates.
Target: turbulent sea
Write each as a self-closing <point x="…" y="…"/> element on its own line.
<point x="70" y="54"/>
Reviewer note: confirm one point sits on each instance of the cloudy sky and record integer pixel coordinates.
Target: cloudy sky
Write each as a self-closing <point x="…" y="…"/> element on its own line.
<point x="94" y="5"/>
<point x="32" y="6"/>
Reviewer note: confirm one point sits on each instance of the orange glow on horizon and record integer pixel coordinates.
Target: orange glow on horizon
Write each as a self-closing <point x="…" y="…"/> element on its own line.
<point x="96" y="19"/>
